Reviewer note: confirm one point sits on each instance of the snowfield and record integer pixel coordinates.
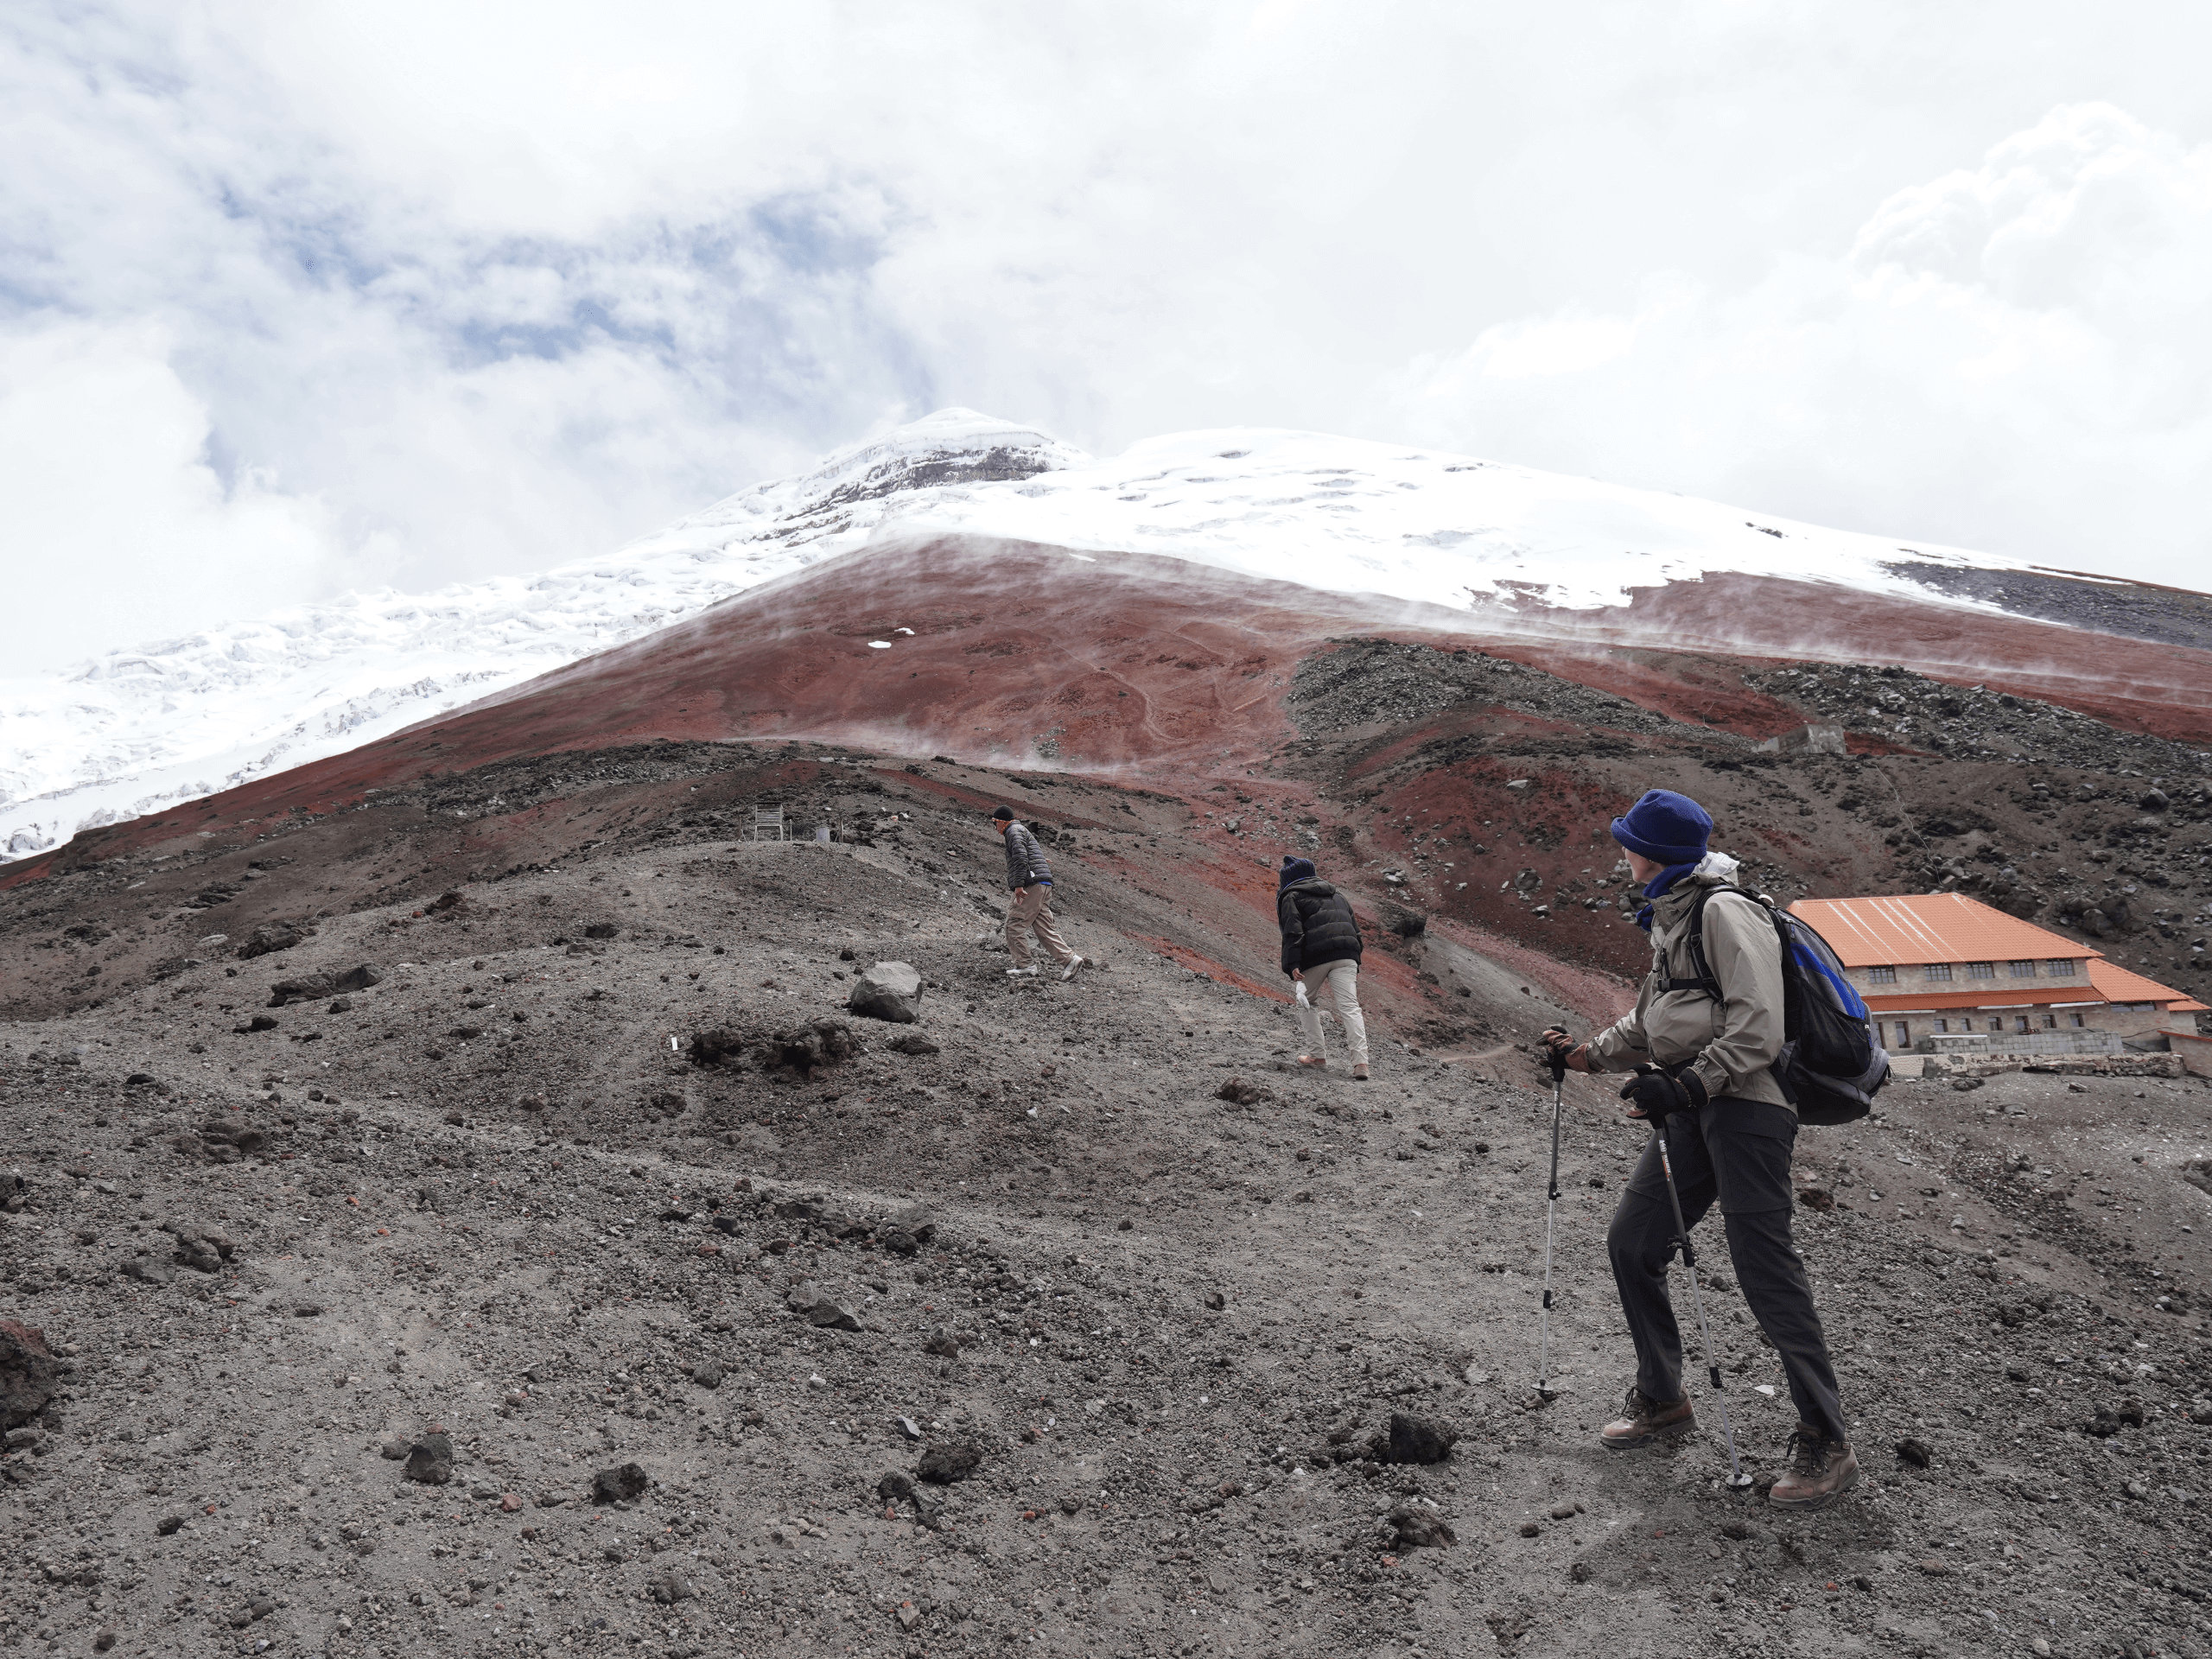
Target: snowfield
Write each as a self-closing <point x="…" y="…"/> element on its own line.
<point x="137" y="730"/>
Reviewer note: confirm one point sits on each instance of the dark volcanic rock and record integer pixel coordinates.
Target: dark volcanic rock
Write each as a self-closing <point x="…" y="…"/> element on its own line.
<point x="913" y="1042"/>
<point x="1417" y="1527"/>
<point x="890" y="990"/>
<point x="625" y="1484"/>
<point x="429" y="1460"/>
<point x="818" y="1308"/>
<point x="313" y="987"/>
<point x="799" y="1050"/>
<point x="274" y="935"/>
<point x="1419" y="1440"/>
<point x="199" y="1247"/>
<point x="28" y="1376"/>
<point x="942" y="1464"/>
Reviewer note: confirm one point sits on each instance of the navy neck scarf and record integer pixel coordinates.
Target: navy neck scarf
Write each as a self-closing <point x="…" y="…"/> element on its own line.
<point x="1657" y="886"/>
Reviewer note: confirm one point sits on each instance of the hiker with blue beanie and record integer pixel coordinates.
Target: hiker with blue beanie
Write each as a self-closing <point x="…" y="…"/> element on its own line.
<point x="1703" y="1039"/>
<point x="1320" y="952"/>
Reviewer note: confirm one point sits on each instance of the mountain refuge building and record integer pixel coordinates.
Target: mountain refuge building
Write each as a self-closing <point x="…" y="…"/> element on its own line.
<point x="1945" y="973"/>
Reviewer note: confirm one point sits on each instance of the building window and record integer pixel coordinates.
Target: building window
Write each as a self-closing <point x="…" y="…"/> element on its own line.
<point x="1942" y="1025"/>
<point x="1937" y="970"/>
<point x="2076" y="1021"/>
<point x="1904" y="1034"/>
<point x="2021" y="969"/>
<point x="1981" y="971"/>
<point x="2051" y="1022"/>
<point x="1996" y="1022"/>
<point x="1882" y="975"/>
<point x="2020" y="1022"/>
<point x="2062" y="967"/>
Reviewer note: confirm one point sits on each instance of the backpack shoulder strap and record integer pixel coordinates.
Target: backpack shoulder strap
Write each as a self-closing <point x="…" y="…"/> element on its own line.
<point x="1702" y="978"/>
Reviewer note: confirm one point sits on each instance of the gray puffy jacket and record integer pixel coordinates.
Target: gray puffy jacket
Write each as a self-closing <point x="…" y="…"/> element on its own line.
<point x="1025" y="858"/>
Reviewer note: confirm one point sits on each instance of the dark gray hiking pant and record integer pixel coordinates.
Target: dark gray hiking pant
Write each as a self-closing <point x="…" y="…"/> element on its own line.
<point x="1738" y="1151"/>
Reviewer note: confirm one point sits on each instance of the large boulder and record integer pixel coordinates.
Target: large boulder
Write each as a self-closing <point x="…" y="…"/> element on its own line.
<point x="313" y="987"/>
<point x="890" y="990"/>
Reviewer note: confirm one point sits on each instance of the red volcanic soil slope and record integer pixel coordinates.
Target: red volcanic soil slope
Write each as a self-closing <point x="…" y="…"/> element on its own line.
<point x="1175" y="674"/>
<point x="1480" y="808"/>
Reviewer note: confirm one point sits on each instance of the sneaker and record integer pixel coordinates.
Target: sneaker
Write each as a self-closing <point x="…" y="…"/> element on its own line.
<point x="1021" y="973"/>
<point x="1821" y="1471"/>
<point x="1068" y="972"/>
<point x="1648" y="1421"/>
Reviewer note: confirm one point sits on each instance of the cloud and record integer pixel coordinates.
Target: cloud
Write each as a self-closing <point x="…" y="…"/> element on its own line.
<point x="2011" y="356"/>
<point x="440" y="293"/>
<point x="103" y="464"/>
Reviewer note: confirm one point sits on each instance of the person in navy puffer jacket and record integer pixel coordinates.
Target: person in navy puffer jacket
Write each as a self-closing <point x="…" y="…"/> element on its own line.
<point x="1321" y="950"/>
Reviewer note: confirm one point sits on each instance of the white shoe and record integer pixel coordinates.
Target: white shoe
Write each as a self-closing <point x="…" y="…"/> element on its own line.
<point x="1068" y="972"/>
<point x="1021" y="973"/>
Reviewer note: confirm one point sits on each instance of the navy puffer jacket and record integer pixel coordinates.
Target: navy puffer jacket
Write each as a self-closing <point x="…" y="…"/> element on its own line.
<point x="1317" y="926"/>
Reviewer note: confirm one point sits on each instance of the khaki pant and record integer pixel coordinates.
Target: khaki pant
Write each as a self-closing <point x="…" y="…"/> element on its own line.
<point x="1341" y="981"/>
<point x="1032" y="914"/>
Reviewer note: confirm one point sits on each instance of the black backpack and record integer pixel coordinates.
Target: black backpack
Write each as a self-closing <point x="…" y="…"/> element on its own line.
<point x="1831" y="1063"/>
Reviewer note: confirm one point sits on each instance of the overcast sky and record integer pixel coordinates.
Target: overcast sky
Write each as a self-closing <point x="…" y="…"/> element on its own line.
<point x="300" y="296"/>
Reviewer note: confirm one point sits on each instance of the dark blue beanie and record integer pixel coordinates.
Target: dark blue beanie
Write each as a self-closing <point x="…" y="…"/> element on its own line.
<point x="1293" y="869"/>
<point x="1665" y="828"/>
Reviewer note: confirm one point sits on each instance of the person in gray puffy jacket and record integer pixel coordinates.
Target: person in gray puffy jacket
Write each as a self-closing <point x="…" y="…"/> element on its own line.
<point x="1029" y="878"/>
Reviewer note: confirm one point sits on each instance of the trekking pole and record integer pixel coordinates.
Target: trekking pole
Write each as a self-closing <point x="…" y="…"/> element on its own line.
<point x="1736" y="1475"/>
<point x="1557" y="1057"/>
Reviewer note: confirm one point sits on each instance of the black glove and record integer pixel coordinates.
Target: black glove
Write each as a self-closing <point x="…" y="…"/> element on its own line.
<point x="1657" y="1093"/>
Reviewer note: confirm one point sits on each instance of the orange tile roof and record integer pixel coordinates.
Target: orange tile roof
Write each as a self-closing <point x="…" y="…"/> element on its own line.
<point x="1919" y="927"/>
<point x="2118" y="984"/>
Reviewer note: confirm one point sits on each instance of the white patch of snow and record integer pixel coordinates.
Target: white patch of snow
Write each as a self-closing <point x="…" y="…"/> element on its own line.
<point x="137" y="731"/>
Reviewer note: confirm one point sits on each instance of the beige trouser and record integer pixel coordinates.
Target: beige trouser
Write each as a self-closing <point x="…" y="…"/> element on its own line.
<point x="1341" y="981"/>
<point x="1031" y="914"/>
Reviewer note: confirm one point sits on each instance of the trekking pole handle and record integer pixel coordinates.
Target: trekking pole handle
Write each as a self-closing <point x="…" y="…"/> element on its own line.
<point x="1555" y="1054"/>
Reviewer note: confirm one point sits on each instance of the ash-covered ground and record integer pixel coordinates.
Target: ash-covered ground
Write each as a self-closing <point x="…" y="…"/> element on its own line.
<point x="472" y="1304"/>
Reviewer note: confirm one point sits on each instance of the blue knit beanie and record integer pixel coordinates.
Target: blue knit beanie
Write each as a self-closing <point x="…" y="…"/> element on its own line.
<point x="1293" y="869"/>
<point x="1665" y="828"/>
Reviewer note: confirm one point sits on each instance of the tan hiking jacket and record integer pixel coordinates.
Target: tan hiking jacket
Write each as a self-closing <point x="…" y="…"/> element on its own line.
<point x="1733" y="1042"/>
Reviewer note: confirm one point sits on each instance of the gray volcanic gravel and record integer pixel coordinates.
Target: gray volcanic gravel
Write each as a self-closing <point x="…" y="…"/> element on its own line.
<point x="491" y="1313"/>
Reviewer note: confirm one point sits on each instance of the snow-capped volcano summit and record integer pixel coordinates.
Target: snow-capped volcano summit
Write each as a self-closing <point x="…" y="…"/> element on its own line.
<point x="137" y="729"/>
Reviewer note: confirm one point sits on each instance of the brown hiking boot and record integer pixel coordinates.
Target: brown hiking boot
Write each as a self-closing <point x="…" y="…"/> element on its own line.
<point x="1648" y="1421"/>
<point x="1821" y="1471"/>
